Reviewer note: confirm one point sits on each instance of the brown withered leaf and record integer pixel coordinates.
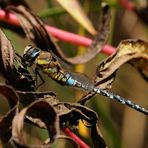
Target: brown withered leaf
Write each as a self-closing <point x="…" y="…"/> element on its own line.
<point x="99" y="41"/>
<point x="97" y="139"/>
<point x="80" y="112"/>
<point x="40" y="110"/>
<point x="84" y="113"/>
<point x="142" y="13"/>
<point x="6" y="120"/>
<point x="67" y="112"/>
<point x="5" y="3"/>
<point x="8" y="69"/>
<point x="6" y="53"/>
<point x="27" y="98"/>
<point x="35" y="31"/>
<point x="130" y="51"/>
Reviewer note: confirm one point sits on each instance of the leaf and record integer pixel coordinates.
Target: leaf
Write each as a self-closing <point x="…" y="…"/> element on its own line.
<point x="8" y="69"/>
<point x="6" y="52"/>
<point x="83" y="113"/>
<point x="40" y="110"/>
<point x="5" y="3"/>
<point x="99" y="41"/>
<point x="130" y="51"/>
<point x="78" y="14"/>
<point x="96" y="138"/>
<point x="6" y="120"/>
<point x="27" y="98"/>
<point x="33" y="27"/>
<point x="35" y="31"/>
<point x="142" y="13"/>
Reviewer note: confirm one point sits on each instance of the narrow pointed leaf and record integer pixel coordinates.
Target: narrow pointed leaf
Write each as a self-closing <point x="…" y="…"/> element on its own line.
<point x="76" y="11"/>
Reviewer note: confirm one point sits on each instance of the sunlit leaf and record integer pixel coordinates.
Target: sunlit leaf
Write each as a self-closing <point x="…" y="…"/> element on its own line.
<point x="76" y="11"/>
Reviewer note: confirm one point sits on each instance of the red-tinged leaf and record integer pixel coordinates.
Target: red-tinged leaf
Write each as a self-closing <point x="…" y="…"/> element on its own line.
<point x="78" y="14"/>
<point x="6" y="120"/>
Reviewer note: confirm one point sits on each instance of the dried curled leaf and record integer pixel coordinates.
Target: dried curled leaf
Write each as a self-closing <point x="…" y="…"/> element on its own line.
<point x="84" y="113"/>
<point x="8" y="69"/>
<point x="6" y="53"/>
<point x="6" y="120"/>
<point x="5" y="3"/>
<point x="81" y="112"/>
<point x="40" y="110"/>
<point x="69" y="113"/>
<point x="134" y="52"/>
<point x="99" y="41"/>
<point x="27" y="98"/>
<point x="97" y="139"/>
<point x="36" y="32"/>
<point x="143" y="13"/>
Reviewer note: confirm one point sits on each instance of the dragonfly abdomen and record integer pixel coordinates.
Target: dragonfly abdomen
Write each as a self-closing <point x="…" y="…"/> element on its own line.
<point x="121" y="100"/>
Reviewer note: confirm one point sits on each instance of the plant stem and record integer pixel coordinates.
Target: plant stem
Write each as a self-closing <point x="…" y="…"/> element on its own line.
<point x="127" y="4"/>
<point x="68" y="132"/>
<point x="58" y="33"/>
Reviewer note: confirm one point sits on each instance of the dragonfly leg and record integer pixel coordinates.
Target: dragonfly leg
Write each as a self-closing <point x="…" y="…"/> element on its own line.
<point x="37" y="74"/>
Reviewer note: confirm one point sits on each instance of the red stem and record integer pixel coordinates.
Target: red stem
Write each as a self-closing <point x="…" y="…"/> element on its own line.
<point x="58" y="33"/>
<point x="127" y="4"/>
<point x="69" y="133"/>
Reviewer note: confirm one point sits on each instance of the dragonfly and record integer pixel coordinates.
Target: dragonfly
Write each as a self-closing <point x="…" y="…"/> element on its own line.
<point x="48" y="64"/>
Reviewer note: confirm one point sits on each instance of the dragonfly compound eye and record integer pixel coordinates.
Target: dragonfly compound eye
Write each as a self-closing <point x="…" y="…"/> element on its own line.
<point x="31" y="53"/>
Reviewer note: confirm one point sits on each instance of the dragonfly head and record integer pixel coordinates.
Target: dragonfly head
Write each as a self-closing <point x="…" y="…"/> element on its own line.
<point x="30" y="54"/>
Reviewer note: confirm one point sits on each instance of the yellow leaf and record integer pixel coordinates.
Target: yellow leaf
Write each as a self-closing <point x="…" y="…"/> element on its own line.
<point x="76" y="11"/>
